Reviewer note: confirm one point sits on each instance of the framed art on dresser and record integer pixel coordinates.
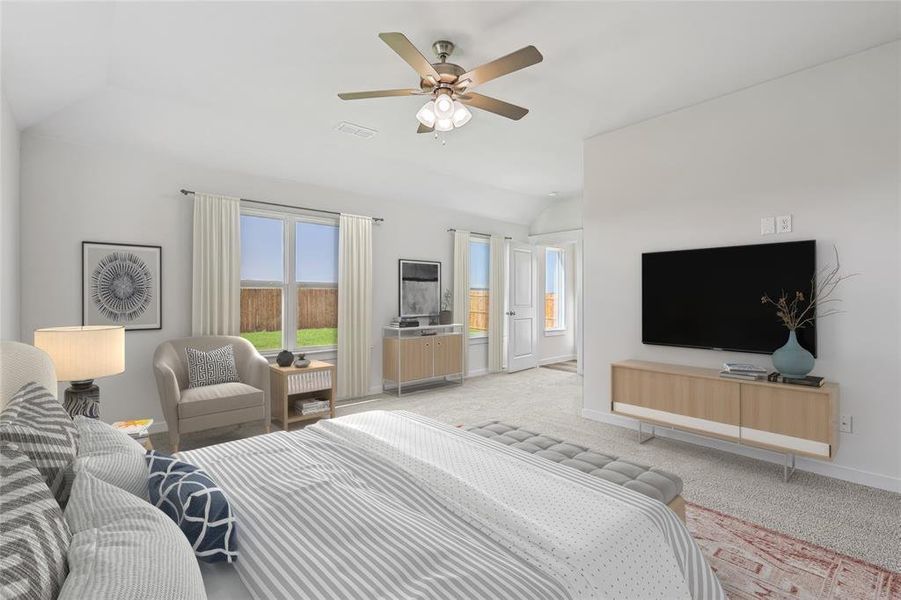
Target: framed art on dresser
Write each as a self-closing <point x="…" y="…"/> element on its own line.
<point x="121" y="284"/>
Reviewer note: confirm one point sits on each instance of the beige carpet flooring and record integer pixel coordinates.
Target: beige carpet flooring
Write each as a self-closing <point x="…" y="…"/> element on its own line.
<point x="852" y="519"/>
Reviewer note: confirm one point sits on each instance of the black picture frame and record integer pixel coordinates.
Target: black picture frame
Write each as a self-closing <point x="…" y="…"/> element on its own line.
<point x="92" y="313"/>
<point x="407" y="306"/>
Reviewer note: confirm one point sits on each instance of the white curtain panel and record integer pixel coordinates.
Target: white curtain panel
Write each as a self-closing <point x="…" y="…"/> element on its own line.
<point x="461" y="285"/>
<point x="216" y="290"/>
<point x="354" y="305"/>
<point x="497" y="285"/>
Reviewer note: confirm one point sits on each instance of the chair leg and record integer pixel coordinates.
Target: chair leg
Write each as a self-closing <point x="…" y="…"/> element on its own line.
<point x="174" y="439"/>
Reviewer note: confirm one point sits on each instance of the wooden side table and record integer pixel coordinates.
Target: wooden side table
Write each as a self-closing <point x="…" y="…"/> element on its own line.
<point x="288" y="385"/>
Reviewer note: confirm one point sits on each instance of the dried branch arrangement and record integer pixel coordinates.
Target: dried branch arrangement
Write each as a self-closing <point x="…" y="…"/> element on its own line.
<point x="797" y="311"/>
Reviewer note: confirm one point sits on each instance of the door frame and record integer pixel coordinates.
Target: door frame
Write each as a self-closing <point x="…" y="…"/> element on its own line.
<point x="574" y="237"/>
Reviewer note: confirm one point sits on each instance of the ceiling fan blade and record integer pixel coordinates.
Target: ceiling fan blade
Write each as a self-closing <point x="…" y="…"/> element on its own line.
<point x="423" y="129"/>
<point x="407" y="51"/>
<point x="522" y="58"/>
<point x="379" y="94"/>
<point x="498" y="107"/>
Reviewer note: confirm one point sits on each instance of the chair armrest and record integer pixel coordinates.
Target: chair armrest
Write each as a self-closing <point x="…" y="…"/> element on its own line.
<point x="257" y="375"/>
<point x="167" y="386"/>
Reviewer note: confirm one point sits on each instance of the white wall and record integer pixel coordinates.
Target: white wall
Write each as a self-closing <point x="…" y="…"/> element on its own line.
<point x="561" y="215"/>
<point x="822" y="145"/>
<point x="557" y="346"/>
<point x="72" y="193"/>
<point x="9" y="224"/>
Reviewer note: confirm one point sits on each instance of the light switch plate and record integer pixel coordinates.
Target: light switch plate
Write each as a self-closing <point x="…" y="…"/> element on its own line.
<point x="784" y="224"/>
<point x="767" y="225"/>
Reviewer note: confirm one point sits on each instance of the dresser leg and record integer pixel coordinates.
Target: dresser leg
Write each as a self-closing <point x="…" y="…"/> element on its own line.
<point x="641" y="438"/>
<point x="787" y="471"/>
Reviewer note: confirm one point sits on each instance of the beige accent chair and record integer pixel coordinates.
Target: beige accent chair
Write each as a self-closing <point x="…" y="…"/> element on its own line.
<point x="195" y="409"/>
<point x="21" y="364"/>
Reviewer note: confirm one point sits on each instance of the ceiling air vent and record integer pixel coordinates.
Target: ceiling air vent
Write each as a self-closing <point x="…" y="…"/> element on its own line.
<point x="355" y="130"/>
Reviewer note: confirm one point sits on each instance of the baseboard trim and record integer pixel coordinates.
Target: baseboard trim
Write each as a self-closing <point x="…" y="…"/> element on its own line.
<point x="557" y="359"/>
<point x="876" y="480"/>
<point x="477" y="373"/>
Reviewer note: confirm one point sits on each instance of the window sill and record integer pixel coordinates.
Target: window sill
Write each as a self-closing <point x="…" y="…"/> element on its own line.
<point x="314" y="350"/>
<point x="554" y="332"/>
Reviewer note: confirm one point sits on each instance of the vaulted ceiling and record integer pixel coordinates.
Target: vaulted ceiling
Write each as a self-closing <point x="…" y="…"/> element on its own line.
<point x="252" y="86"/>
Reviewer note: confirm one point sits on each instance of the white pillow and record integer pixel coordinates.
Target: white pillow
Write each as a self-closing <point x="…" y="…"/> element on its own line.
<point x="111" y="456"/>
<point x="123" y="547"/>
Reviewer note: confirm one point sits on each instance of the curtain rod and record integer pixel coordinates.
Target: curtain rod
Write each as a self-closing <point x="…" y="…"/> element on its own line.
<point x="488" y="235"/>
<point x="329" y="212"/>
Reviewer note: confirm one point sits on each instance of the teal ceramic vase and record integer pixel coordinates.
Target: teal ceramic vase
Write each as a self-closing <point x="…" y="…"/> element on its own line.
<point x="792" y="360"/>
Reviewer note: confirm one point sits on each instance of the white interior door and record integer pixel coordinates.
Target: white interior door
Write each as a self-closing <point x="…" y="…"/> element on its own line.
<point x="521" y="313"/>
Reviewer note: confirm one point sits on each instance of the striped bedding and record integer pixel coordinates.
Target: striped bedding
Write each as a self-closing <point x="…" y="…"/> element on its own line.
<point x="395" y="505"/>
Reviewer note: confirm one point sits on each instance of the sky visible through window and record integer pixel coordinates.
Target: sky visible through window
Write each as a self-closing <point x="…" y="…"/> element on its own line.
<point x="478" y="266"/>
<point x="316" y="251"/>
<point x="550" y="276"/>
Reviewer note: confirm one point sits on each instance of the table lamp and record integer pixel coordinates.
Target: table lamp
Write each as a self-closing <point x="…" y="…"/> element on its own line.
<point x="81" y="354"/>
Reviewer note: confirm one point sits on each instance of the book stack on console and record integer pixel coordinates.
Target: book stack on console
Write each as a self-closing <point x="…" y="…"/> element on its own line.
<point x="311" y="407"/>
<point x="809" y="381"/>
<point x="743" y="371"/>
<point x="136" y="429"/>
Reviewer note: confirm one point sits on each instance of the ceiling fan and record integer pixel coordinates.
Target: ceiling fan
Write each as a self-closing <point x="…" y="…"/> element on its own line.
<point x="448" y="84"/>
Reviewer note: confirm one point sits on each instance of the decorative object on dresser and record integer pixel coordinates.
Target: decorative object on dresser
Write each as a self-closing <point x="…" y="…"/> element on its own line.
<point x="82" y="354"/>
<point x="412" y="355"/>
<point x="284" y="358"/>
<point x="789" y="419"/>
<point x="121" y="285"/>
<point x="293" y="388"/>
<point x="446" y="316"/>
<point x="797" y="311"/>
<point x="188" y="409"/>
<point x="302" y="361"/>
<point x="419" y="292"/>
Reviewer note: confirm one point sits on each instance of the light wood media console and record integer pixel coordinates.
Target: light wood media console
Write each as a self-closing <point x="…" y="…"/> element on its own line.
<point x="791" y="419"/>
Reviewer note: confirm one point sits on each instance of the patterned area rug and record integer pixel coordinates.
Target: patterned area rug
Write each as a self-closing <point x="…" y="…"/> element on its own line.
<point x="753" y="562"/>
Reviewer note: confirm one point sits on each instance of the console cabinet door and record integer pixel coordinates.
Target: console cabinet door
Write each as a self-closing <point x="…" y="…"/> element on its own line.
<point x="417" y="358"/>
<point x="787" y="419"/>
<point x="448" y="354"/>
<point x="691" y="403"/>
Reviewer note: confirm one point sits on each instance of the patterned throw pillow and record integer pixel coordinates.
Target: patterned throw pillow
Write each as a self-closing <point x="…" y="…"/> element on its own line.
<point x="111" y="455"/>
<point x="188" y="495"/>
<point x="38" y="424"/>
<point x="210" y="368"/>
<point x="34" y="536"/>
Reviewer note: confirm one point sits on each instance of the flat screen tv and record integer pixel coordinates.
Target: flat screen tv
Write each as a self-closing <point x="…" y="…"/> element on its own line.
<point x="710" y="297"/>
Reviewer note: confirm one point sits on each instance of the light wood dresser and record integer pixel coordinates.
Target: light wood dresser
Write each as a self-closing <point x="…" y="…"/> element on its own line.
<point x="288" y="385"/>
<point x="791" y="419"/>
<point x="409" y="358"/>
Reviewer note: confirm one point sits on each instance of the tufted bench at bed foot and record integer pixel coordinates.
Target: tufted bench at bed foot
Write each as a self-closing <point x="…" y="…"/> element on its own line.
<point x="655" y="483"/>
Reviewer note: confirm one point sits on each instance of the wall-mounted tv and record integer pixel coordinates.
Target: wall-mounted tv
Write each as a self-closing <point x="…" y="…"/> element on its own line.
<point x="710" y="297"/>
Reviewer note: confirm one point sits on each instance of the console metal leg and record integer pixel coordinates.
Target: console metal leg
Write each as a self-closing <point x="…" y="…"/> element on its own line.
<point x="787" y="471"/>
<point x="641" y="438"/>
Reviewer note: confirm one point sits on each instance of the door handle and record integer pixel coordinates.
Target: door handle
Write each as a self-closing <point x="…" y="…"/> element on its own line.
<point x="511" y="313"/>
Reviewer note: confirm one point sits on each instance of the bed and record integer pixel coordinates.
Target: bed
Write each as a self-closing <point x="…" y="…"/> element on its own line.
<point x="396" y="505"/>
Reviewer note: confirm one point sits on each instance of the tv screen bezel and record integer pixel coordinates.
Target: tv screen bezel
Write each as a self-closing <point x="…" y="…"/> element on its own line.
<point x="718" y="348"/>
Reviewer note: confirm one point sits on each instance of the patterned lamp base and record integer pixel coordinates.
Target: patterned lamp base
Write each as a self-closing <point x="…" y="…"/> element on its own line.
<point x="83" y="398"/>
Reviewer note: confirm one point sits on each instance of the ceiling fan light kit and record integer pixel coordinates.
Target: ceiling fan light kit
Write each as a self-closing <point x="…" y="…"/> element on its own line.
<point x="448" y="84"/>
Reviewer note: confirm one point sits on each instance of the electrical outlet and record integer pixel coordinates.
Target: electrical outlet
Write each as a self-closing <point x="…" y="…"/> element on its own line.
<point x="784" y="224"/>
<point x="845" y="423"/>
<point x="767" y="225"/>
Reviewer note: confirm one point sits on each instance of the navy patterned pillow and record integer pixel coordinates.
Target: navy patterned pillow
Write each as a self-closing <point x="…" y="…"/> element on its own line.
<point x="211" y="368"/>
<point x="196" y="504"/>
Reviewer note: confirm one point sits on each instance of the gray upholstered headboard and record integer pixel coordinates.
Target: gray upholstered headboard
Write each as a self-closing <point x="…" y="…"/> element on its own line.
<point x="21" y="364"/>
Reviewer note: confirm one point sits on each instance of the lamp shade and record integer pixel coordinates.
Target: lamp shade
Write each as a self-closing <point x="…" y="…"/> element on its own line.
<point x="83" y="353"/>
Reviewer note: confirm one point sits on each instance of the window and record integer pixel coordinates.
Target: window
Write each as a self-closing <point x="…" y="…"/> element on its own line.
<point x="479" y="265"/>
<point x="554" y="285"/>
<point x="289" y="281"/>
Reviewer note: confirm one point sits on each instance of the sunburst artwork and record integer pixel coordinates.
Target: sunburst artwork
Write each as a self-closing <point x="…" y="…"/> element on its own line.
<point x="121" y="285"/>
